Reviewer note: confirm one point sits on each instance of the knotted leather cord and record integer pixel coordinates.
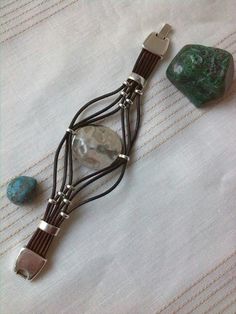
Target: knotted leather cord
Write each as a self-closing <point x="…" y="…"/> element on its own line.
<point x="41" y="241"/>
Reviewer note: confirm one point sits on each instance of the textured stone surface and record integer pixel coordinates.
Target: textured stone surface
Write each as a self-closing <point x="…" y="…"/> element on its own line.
<point x="203" y="74"/>
<point x="21" y="189"/>
<point x="96" y="147"/>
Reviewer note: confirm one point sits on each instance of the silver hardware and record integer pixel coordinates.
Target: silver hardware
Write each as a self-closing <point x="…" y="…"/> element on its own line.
<point x="164" y="31"/>
<point x="52" y="201"/>
<point x="158" y="43"/>
<point x="138" y="91"/>
<point x="127" y="83"/>
<point x="137" y="78"/>
<point x="60" y="193"/>
<point x="123" y="93"/>
<point x="64" y="215"/>
<point x="29" y="264"/>
<point x="70" y="131"/>
<point x="50" y="229"/>
<point x="122" y="105"/>
<point x="129" y="101"/>
<point x="124" y="156"/>
<point x="70" y="187"/>
<point x="66" y="201"/>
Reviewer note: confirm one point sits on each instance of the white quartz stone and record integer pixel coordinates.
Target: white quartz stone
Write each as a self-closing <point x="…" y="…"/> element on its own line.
<point x="96" y="146"/>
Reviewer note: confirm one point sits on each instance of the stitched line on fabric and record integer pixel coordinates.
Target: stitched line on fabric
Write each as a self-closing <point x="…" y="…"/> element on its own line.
<point x="176" y="133"/>
<point x="17" y="8"/>
<point x="36" y="14"/>
<point x="139" y="158"/>
<point x="25" y="12"/>
<point x="8" y="4"/>
<point x="23" y="227"/>
<point x="227" y="307"/>
<point x="208" y="285"/>
<point x="196" y="282"/>
<point x="38" y="22"/>
<point x="157" y="82"/>
<point x="231" y="292"/>
<point x="209" y="296"/>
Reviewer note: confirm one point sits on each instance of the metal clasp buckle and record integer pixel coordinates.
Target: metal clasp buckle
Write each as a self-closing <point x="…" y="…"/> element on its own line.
<point x="29" y="264"/>
<point x="158" y="43"/>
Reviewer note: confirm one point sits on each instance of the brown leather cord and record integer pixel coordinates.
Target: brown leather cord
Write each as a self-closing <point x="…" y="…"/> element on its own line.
<point x="145" y="63"/>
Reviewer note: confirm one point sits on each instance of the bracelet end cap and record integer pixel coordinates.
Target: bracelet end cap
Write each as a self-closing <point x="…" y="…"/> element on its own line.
<point x="29" y="264"/>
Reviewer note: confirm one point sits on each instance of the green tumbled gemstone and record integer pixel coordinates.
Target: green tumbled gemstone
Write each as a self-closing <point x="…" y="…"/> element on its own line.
<point x="201" y="73"/>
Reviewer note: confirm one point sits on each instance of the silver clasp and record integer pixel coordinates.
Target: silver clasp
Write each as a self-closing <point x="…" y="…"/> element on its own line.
<point x="29" y="264"/>
<point x="158" y="43"/>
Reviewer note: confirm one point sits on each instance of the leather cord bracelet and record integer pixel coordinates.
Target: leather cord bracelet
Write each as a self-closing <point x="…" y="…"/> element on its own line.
<point x="32" y="257"/>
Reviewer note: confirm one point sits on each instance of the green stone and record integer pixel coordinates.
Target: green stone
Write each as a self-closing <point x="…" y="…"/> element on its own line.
<point x="203" y="74"/>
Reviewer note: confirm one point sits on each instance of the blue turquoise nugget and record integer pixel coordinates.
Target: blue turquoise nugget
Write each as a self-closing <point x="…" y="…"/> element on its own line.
<point x="21" y="189"/>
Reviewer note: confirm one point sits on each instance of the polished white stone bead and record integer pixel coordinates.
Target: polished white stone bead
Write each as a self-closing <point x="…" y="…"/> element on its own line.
<point x="96" y="146"/>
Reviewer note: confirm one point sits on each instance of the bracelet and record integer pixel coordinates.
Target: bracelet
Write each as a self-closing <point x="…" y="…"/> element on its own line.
<point x="94" y="146"/>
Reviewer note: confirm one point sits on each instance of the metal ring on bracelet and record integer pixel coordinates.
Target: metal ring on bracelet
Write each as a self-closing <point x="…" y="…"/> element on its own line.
<point x="123" y="93"/>
<point x="70" y="187"/>
<point x="122" y="105"/>
<point x="137" y="78"/>
<point x="60" y="193"/>
<point x="48" y="228"/>
<point x="124" y="156"/>
<point x="127" y="83"/>
<point x="52" y="201"/>
<point x="71" y="131"/>
<point x="66" y="201"/>
<point x="129" y="101"/>
<point x="138" y="91"/>
<point x="64" y="215"/>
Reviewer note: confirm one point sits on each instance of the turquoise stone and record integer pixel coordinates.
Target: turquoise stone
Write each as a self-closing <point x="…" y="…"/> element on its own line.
<point x="201" y="73"/>
<point x="21" y="189"/>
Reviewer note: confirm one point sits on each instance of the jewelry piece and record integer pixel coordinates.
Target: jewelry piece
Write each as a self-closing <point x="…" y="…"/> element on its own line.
<point x="201" y="73"/>
<point x="21" y="189"/>
<point x="95" y="146"/>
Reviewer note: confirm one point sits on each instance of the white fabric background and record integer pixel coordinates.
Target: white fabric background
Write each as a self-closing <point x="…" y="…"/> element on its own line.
<point x="173" y="217"/>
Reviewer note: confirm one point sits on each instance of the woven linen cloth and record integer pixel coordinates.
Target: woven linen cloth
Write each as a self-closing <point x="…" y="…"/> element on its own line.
<point x="165" y="240"/>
